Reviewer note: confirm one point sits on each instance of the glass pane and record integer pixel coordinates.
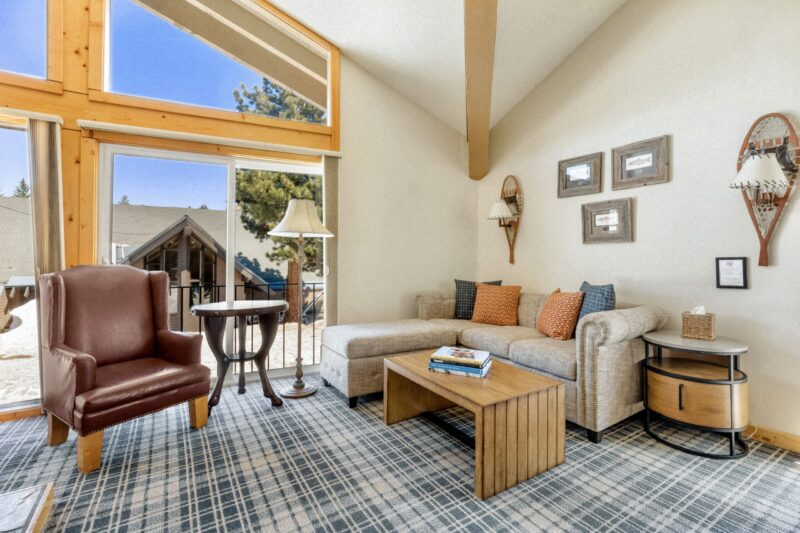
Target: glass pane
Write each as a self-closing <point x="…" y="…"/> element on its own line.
<point x="23" y="37"/>
<point x="153" y="58"/>
<point x="264" y="262"/>
<point x="19" y="362"/>
<point x="168" y="210"/>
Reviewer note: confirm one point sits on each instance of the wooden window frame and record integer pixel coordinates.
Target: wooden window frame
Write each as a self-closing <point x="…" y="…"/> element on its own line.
<point x="97" y="77"/>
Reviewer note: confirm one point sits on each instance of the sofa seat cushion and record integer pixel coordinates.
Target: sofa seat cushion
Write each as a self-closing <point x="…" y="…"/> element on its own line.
<point x="553" y="356"/>
<point x="130" y="381"/>
<point x="384" y="338"/>
<point x="496" y="339"/>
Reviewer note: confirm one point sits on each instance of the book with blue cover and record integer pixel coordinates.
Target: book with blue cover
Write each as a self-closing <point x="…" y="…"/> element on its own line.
<point x="460" y="370"/>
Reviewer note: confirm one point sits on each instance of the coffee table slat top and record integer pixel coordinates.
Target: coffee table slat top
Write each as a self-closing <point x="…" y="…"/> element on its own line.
<point x="503" y="382"/>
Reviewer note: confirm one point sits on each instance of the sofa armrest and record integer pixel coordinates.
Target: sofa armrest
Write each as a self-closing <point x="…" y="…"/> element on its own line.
<point x="179" y="347"/>
<point x="66" y="373"/>
<point x="612" y="327"/>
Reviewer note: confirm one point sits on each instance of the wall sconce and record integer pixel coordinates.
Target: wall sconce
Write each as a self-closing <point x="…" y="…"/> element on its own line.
<point x="507" y="211"/>
<point x="767" y="165"/>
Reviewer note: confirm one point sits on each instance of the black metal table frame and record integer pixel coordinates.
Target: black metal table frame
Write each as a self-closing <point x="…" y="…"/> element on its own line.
<point x="734" y="434"/>
<point x="215" y="332"/>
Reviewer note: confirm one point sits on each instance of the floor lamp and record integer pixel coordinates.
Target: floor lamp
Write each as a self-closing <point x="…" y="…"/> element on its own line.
<point x="300" y="221"/>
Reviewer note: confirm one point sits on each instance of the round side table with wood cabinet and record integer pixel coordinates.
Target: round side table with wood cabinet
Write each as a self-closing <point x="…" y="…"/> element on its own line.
<point x="704" y="390"/>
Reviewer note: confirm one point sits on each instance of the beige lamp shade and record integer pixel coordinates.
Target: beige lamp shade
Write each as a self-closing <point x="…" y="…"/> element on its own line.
<point x="300" y="219"/>
<point x="500" y="210"/>
<point x="762" y="172"/>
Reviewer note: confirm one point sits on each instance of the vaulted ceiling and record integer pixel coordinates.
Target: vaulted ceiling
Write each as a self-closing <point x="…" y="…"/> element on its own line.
<point x="417" y="46"/>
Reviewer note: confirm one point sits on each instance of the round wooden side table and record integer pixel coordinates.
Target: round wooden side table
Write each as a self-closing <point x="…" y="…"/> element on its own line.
<point x="214" y="317"/>
<point x="696" y="393"/>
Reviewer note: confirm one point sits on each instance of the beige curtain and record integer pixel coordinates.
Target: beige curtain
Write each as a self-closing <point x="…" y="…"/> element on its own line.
<point x="44" y="147"/>
<point x="330" y="247"/>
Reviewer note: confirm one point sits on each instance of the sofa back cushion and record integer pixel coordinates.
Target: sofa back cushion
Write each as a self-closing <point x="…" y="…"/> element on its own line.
<point x="529" y="306"/>
<point x="497" y="305"/>
<point x="560" y="314"/>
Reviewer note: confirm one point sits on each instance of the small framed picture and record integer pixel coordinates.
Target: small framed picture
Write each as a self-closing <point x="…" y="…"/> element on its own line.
<point x="731" y="272"/>
<point x="609" y="221"/>
<point x="641" y="163"/>
<point x="580" y="175"/>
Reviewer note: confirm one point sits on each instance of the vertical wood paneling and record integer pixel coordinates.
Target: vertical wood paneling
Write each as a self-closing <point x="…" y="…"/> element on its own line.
<point x="70" y="192"/>
<point x="552" y="424"/>
<point x="87" y="232"/>
<point x="76" y="46"/>
<point x="542" y="430"/>
<point x="511" y="443"/>
<point x="55" y="40"/>
<point x="522" y="438"/>
<point x="488" y="451"/>
<point x="562" y="425"/>
<point x="479" y="454"/>
<point x="500" y="435"/>
<point x="533" y="434"/>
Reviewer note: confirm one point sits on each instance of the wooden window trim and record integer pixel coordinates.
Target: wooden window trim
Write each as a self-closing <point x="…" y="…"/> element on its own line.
<point x="98" y="15"/>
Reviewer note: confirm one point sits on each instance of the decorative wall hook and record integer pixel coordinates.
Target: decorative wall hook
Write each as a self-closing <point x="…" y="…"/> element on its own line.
<point x="508" y="211"/>
<point x="767" y="169"/>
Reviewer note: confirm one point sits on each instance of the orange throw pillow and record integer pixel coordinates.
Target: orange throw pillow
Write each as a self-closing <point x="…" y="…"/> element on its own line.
<point x="496" y="304"/>
<point x="560" y="314"/>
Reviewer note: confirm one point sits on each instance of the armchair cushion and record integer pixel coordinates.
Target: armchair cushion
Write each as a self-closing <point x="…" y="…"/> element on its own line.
<point x="130" y="381"/>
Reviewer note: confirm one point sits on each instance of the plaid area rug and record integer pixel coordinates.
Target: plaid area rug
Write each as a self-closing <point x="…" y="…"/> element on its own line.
<point x="315" y="464"/>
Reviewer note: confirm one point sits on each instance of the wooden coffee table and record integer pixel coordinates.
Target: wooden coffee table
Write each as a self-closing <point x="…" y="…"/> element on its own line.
<point x="520" y="420"/>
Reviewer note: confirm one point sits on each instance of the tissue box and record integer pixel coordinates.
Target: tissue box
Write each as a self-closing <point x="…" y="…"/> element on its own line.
<point x="700" y="327"/>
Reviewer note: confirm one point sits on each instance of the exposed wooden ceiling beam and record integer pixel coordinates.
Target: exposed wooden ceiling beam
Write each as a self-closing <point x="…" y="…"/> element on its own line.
<point x="258" y="45"/>
<point x="480" y="26"/>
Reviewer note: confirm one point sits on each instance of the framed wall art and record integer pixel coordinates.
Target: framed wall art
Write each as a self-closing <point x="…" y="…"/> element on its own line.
<point x="610" y="221"/>
<point x="731" y="272"/>
<point x="641" y="163"/>
<point x="580" y="175"/>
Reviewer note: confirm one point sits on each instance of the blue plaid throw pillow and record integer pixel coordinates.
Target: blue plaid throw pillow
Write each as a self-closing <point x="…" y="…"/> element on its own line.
<point x="465" y="297"/>
<point x="597" y="298"/>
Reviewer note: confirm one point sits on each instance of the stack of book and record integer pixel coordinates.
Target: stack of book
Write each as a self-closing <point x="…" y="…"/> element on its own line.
<point x="461" y="361"/>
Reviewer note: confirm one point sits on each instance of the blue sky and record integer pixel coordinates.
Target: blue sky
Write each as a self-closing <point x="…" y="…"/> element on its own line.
<point x="149" y="57"/>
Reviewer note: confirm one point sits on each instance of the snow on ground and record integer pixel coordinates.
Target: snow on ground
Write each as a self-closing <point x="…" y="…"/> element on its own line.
<point x="19" y="366"/>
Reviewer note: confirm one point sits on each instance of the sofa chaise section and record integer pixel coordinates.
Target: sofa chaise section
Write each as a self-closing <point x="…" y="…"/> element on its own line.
<point x="352" y="355"/>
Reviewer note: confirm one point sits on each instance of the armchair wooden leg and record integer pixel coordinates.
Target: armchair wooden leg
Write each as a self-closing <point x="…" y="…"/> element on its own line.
<point x="198" y="412"/>
<point x="90" y="451"/>
<point x="57" y="430"/>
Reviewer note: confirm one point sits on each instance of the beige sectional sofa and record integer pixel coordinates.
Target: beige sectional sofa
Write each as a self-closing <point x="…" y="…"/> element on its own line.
<point x="600" y="366"/>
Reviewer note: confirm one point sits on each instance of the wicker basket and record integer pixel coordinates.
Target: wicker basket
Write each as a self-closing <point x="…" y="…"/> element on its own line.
<point x="700" y="327"/>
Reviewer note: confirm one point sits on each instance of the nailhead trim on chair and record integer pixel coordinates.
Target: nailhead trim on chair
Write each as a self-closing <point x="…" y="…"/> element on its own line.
<point x="140" y="416"/>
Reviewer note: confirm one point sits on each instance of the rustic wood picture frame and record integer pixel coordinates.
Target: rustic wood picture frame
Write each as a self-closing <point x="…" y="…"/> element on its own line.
<point x="630" y="163"/>
<point x="570" y="187"/>
<point x="620" y="212"/>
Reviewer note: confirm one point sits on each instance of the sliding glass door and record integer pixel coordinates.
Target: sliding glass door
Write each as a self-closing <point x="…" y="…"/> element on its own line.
<point x="204" y="220"/>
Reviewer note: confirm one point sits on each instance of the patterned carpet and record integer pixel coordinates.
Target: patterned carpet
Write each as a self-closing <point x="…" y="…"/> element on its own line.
<point x="315" y="464"/>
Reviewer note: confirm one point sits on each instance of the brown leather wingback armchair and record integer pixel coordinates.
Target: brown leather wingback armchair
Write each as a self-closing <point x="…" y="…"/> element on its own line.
<point x="108" y="355"/>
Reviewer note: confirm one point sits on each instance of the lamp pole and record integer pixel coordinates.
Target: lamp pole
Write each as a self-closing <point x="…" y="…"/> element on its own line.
<point x="299" y="389"/>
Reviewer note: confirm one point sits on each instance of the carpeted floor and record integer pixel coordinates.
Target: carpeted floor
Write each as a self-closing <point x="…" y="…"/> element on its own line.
<point x="315" y="464"/>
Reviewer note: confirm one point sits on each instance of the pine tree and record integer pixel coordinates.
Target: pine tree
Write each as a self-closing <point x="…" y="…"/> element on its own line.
<point x="23" y="190"/>
<point x="263" y="195"/>
<point x="124" y="200"/>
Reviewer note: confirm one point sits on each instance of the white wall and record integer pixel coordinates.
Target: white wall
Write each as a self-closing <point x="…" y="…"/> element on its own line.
<point x="701" y="72"/>
<point x="406" y="206"/>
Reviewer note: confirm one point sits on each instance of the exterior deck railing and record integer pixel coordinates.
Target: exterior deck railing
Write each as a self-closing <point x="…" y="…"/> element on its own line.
<point x="283" y="353"/>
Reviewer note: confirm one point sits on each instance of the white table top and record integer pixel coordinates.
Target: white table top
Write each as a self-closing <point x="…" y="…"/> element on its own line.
<point x="673" y="339"/>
